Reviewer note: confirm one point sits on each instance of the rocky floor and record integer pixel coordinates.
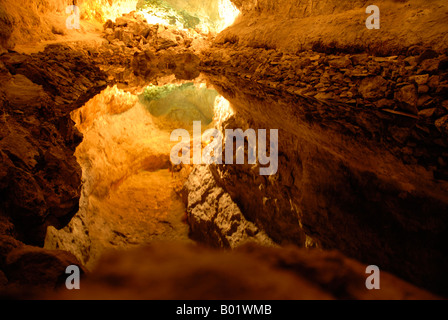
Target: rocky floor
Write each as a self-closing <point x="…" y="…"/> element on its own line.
<point x="188" y="272"/>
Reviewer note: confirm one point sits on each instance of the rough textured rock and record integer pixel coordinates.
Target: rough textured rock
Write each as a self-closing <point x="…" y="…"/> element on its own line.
<point x="36" y="270"/>
<point x="213" y="217"/>
<point x="363" y="149"/>
<point x="338" y="24"/>
<point x="442" y="124"/>
<point x="386" y="83"/>
<point x="127" y="197"/>
<point x="7" y="244"/>
<point x="40" y="184"/>
<point x="136" y="52"/>
<point x="249" y="272"/>
<point x="373" y="87"/>
<point x="341" y="183"/>
<point x="407" y="95"/>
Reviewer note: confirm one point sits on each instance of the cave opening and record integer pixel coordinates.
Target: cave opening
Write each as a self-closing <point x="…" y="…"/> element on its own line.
<point x="130" y="189"/>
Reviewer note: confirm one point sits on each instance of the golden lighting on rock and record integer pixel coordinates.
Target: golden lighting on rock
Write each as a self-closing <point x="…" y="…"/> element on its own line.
<point x="151" y="19"/>
<point x="103" y="10"/>
<point x="228" y="13"/>
<point x="222" y="111"/>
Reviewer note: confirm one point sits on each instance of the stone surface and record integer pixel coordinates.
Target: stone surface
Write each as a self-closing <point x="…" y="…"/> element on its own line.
<point x="341" y="184"/>
<point x="128" y="196"/>
<point x="179" y="271"/>
<point x="139" y="52"/>
<point x="213" y="217"/>
<point x="365" y="174"/>
<point x="335" y="24"/>
<point x="442" y="125"/>
<point x="42" y="184"/>
<point x="373" y="88"/>
<point x="37" y="269"/>
<point x="407" y="95"/>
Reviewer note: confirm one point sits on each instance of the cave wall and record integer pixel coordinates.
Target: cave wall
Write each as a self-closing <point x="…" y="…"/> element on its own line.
<point x="354" y="174"/>
<point x="304" y="24"/>
<point x="339" y="189"/>
<point x="40" y="180"/>
<point x="25" y="21"/>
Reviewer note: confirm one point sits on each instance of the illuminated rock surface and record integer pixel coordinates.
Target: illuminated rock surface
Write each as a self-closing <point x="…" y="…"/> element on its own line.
<point x="363" y="151"/>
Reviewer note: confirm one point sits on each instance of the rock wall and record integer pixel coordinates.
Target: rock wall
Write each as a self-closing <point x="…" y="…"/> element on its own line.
<point x="213" y="217"/>
<point x="340" y="25"/>
<point x="40" y="180"/>
<point x="362" y="140"/>
<point x="337" y="187"/>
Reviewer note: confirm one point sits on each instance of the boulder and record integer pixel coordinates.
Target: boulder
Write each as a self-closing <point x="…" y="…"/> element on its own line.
<point x="407" y="95"/>
<point x="166" y="39"/>
<point x="340" y="62"/>
<point x="373" y="88"/>
<point x="36" y="268"/>
<point x="429" y="66"/>
<point x="442" y="125"/>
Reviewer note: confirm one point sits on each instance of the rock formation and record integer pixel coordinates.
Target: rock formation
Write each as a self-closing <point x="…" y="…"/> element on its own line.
<point x="363" y="153"/>
<point x="249" y="272"/>
<point x="40" y="180"/>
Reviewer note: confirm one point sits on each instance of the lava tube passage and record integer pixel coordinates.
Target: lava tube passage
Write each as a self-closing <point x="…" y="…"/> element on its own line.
<point x="207" y="151"/>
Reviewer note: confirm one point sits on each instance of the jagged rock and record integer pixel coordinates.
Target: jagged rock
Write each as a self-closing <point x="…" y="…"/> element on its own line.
<point x="384" y="103"/>
<point x="442" y="124"/>
<point x="411" y="61"/>
<point x="109" y="31"/>
<point x="324" y="179"/>
<point x="42" y="184"/>
<point x="427" y="113"/>
<point x="340" y="63"/>
<point x="213" y="217"/>
<point x="324" y="207"/>
<point x="427" y="54"/>
<point x="109" y="24"/>
<point x="121" y="21"/>
<point x="373" y="88"/>
<point x="429" y="66"/>
<point x="6" y="29"/>
<point x="442" y="89"/>
<point x="407" y="95"/>
<point x="424" y="101"/>
<point x="422" y="89"/>
<point x="421" y="79"/>
<point x="358" y="59"/>
<point x="166" y="39"/>
<point x="445" y="104"/>
<point x="433" y="82"/>
<point x="325" y="96"/>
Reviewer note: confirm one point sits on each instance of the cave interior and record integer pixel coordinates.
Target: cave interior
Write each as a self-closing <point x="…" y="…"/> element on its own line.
<point x="117" y="154"/>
